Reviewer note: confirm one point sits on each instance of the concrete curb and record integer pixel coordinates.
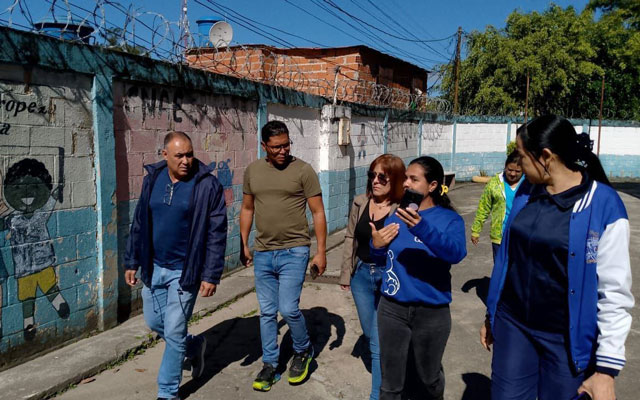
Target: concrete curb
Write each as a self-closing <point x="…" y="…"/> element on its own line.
<point x="64" y="367"/>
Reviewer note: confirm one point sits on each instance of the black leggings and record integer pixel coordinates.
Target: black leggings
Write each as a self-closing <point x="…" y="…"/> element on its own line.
<point x="422" y="328"/>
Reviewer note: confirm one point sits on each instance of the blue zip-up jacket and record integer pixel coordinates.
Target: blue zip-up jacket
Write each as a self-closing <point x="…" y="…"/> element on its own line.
<point x="599" y="277"/>
<point x="207" y="242"/>
<point x="419" y="259"/>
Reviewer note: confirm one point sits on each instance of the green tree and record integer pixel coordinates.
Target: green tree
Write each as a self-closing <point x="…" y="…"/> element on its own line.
<point x="114" y="39"/>
<point x="565" y="53"/>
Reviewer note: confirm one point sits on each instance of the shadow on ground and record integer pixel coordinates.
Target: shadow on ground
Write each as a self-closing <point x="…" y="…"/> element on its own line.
<point x="481" y="285"/>
<point x="630" y="188"/>
<point x="478" y="386"/>
<point x="238" y="339"/>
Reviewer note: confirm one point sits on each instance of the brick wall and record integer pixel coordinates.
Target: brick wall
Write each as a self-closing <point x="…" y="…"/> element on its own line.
<point x="314" y="71"/>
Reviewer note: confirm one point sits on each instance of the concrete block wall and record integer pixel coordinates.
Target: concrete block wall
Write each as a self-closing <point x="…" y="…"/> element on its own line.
<point x="619" y="150"/>
<point x="479" y="147"/>
<point x="222" y="129"/>
<point x="48" y="273"/>
<point x="437" y="141"/>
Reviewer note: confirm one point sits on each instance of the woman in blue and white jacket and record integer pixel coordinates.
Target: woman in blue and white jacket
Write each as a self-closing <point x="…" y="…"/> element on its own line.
<point x="417" y="248"/>
<point x="560" y="292"/>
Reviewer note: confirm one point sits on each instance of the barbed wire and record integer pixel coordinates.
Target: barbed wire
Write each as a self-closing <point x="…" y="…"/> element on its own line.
<point x="151" y="34"/>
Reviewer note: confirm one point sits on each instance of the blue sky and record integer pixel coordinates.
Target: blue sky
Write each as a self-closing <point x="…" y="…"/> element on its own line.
<point x="316" y="22"/>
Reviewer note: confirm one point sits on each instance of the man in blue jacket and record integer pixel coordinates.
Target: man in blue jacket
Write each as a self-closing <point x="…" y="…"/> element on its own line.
<point x="178" y="239"/>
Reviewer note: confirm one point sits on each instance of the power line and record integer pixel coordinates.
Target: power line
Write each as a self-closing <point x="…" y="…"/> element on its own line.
<point x="422" y="45"/>
<point x="373" y="36"/>
<point x="251" y="27"/>
<point x="403" y="28"/>
<point x="268" y="26"/>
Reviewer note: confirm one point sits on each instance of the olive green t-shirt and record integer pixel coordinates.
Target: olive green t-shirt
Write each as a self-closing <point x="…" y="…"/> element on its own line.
<point x="280" y="202"/>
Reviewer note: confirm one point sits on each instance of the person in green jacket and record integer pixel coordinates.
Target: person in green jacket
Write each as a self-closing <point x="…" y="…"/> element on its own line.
<point x="496" y="200"/>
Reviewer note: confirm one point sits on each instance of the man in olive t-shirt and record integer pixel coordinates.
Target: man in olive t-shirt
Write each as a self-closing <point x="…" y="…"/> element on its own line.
<point x="277" y="189"/>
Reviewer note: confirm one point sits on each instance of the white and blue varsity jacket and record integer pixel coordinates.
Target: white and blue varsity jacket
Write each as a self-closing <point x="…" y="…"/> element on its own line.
<point x="599" y="276"/>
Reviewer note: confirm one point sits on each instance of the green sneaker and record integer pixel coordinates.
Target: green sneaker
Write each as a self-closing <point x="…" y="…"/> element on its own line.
<point x="299" y="367"/>
<point x="266" y="378"/>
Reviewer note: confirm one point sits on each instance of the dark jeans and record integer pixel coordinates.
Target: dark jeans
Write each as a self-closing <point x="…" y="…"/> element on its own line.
<point x="530" y="364"/>
<point x="423" y="329"/>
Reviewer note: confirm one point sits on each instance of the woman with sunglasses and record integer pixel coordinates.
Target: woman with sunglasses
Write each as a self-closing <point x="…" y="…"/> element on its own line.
<point x="384" y="190"/>
<point x="417" y="246"/>
<point x="560" y="291"/>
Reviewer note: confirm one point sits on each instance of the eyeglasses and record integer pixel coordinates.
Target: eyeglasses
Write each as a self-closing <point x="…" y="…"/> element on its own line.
<point x="277" y="149"/>
<point x="382" y="178"/>
<point x="168" y="194"/>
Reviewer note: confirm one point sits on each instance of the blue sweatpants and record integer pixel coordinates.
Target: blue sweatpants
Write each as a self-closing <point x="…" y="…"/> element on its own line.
<point x="529" y="364"/>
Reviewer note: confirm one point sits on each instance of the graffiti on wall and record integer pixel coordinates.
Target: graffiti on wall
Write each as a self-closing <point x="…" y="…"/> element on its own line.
<point x="13" y="108"/>
<point x="223" y="172"/>
<point x="362" y="142"/>
<point x="432" y="132"/>
<point x="156" y="100"/>
<point x="27" y="199"/>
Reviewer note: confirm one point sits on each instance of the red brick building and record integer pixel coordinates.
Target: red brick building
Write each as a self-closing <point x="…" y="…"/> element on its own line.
<point x="365" y="75"/>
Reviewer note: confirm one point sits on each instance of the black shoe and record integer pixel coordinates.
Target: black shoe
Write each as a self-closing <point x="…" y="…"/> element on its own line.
<point x="299" y="368"/>
<point x="197" y="362"/>
<point x="266" y="378"/>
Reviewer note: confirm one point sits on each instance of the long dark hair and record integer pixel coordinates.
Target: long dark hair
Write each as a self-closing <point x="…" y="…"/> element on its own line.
<point x="433" y="171"/>
<point x="513" y="158"/>
<point x="559" y="136"/>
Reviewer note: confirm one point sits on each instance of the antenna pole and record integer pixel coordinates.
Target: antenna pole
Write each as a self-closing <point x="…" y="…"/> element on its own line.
<point x="184" y="25"/>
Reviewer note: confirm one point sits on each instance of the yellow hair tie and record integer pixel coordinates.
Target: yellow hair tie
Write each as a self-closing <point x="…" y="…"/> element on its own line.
<point x="444" y="190"/>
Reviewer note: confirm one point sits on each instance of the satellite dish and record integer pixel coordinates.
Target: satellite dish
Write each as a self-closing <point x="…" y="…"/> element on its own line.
<point x="220" y="34"/>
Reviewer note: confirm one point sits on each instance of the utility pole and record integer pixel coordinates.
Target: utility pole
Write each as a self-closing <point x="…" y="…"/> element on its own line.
<point x="600" y="117"/>
<point x="455" y="93"/>
<point x="526" y="101"/>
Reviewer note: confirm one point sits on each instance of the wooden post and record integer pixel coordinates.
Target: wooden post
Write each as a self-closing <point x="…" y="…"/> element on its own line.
<point x="600" y="117"/>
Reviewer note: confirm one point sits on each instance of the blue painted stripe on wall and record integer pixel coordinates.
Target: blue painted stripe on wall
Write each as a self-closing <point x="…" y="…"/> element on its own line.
<point x="339" y="188"/>
<point x="469" y="164"/>
<point x="621" y="166"/>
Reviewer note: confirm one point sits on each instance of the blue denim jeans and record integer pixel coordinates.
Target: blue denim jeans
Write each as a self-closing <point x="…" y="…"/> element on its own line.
<point x="279" y="275"/>
<point x="365" y="287"/>
<point x="167" y="309"/>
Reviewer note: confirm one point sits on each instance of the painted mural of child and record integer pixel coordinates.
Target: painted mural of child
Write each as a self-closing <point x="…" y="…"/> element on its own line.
<point x="28" y="190"/>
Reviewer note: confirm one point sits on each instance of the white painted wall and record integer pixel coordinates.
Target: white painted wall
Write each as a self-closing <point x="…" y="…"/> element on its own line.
<point x="483" y="138"/>
<point x="304" y="131"/>
<point x="437" y="138"/>
<point x="403" y="139"/>
<point x="617" y="140"/>
<point x="367" y="139"/>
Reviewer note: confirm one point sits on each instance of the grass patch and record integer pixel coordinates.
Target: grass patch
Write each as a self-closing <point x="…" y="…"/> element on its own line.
<point x="250" y="313"/>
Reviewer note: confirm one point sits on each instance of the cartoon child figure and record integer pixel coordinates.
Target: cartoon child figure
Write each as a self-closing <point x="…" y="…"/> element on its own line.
<point x="28" y="190"/>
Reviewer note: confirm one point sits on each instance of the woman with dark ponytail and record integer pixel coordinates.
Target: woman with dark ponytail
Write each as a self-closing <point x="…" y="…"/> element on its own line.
<point x="560" y="291"/>
<point x="417" y="247"/>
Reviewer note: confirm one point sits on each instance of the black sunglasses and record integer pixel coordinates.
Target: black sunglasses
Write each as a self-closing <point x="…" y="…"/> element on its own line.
<point x="382" y="178"/>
